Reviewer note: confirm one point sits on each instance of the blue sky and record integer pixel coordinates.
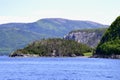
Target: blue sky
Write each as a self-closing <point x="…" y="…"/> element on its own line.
<point x="102" y="11"/>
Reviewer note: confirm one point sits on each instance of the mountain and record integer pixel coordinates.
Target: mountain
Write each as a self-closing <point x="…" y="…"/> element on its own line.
<point x="90" y="37"/>
<point x="53" y="47"/>
<point x="17" y="35"/>
<point x="109" y="46"/>
<point x="53" y="27"/>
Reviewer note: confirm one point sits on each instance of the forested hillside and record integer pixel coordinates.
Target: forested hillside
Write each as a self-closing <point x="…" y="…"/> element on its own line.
<point x="53" y="47"/>
<point x="109" y="45"/>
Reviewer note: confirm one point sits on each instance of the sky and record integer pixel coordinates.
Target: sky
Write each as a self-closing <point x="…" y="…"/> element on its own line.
<point x="101" y="11"/>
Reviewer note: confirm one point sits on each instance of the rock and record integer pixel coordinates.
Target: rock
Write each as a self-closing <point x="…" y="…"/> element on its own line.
<point x="90" y="37"/>
<point x="106" y="56"/>
<point x="18" y="54"/>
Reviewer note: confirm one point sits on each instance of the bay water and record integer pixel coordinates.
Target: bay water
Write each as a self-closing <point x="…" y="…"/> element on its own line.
<point x="65" y="68"/>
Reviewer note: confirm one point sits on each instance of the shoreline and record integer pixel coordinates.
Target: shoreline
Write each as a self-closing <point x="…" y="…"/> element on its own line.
<point x="45" y="56"/>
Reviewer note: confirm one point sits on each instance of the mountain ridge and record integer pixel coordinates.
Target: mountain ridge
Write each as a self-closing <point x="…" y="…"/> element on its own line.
<point x="44" y="28"/>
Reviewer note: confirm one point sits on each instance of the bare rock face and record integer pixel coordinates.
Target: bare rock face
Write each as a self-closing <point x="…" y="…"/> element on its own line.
<point x="89" y="37"/>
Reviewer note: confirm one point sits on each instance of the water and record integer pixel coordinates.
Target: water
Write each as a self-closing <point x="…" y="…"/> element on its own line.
<point x="59" y="69"/>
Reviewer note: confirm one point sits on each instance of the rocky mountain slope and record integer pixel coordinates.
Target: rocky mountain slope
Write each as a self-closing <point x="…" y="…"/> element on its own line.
<point x="90" y="37"/>
<point x="109" y="46"/>
<point x="17" y="35"/>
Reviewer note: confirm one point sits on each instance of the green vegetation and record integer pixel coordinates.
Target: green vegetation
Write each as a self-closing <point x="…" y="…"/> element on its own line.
<point x="55" y="47"/>
<point x="110" y="42"/>
<point x="88" y="54"/>
<point x="98" y="30"/>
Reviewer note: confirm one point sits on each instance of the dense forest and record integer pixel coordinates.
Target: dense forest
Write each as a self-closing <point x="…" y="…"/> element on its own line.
<point x="109" y="45"/>
<point x="53" y="47"/>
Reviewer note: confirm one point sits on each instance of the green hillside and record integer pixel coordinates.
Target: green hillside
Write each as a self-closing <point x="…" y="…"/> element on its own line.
<point x="109" y="45"/>
<point x="59" y="47"/>
<point x="12" y="39"/>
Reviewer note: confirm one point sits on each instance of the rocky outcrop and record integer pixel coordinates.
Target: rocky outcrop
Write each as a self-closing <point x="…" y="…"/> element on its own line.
<point x="91" y="37"/>
<point x="113" y="56"/>
<point x="20" y="54"/>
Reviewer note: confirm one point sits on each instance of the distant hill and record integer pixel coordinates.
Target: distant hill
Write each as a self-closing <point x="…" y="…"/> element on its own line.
<point x="90" y="37"/>
<point x="17" y="35"/>
<point x="11" y="40"/>
<point x="109" y="46"/>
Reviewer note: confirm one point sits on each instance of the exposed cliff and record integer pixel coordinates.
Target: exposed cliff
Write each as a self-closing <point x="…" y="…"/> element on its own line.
<point x="91" y="37"/>
<point x="109" y="46"/>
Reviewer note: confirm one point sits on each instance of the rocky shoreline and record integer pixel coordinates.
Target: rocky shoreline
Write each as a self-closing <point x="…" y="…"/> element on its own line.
<point x="35" y="55"/>
<point x="23" y="55"/>
<point x="94" y="56"/>
<point x="113" y="56"/>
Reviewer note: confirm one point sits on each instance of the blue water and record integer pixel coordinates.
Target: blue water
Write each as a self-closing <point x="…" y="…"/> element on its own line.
<point x="59" y="69"/>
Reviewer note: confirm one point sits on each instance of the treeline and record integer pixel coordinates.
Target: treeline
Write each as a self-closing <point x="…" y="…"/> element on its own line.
<point x="55" y="47"/>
